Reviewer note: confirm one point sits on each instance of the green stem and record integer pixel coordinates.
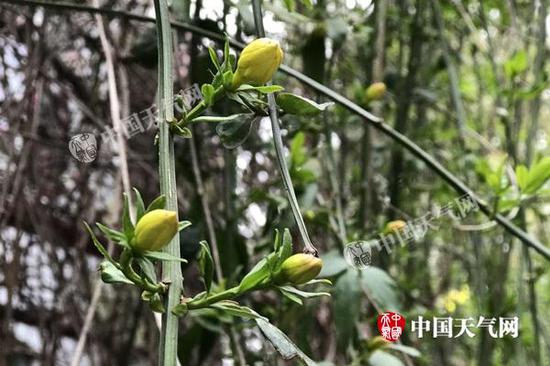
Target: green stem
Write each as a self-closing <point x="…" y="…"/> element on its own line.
<point x="279" y="149"/>
<point x="207" y="301"/>
<point x="224" y="295"/>
<point x="171" y="271"/>
<point x="201" y="107"/>
<point x="138" y="280"/>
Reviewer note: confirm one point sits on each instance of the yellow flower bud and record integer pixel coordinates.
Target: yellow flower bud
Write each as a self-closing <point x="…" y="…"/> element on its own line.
<point x="395" y="225"/>
<point x="299" y="268"/>
<point x="375" y="91"/>
<point x="257" y="63"/>
<point x="155" y="229"/>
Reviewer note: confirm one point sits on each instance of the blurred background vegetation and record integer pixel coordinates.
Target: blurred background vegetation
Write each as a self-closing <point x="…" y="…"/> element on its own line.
<point x="466" y="80"/>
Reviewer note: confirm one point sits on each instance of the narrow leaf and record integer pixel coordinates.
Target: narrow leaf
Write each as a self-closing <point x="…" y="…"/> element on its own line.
<point x="111" y="274"/>
<point x="261" y="89"/>
<point x="286" y="348"/>
<point x="140" y="206"/>
<point x="303" y="294"/>
<point x="148" y="268"/>
<point x="214" y="57"/>
<point x="183" y="224"/>
<point x="113" y="235"/>
<point x="233" y="308"/>
<point x="291" y="296"/>
<point x="258" y="274"/>
<point x="298" y="105"/>
<point x="161" y="256"/>
<point x="98" y="245"/>
<point x="127" y="225"/>
<point x="206" y="265"/>
<point x="157" y="204"/>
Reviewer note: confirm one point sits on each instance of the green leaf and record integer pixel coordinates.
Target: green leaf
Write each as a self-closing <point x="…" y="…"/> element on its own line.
<point x="290" y="5"/>
<point x="333" y="264"/>
<point x="233" y="308"/>
<point x="216" y="119"/>
<point x="286" y="348"/>
<point x="316" y="281"/>
<point x="234" y="133"/>
<point x="381" y="358"/>
<point x="127" y="225"/>
<point x="347" y="304"/>
<point x="302" y="294"/>
<point x="261" y="89"/>
<point x="156" y="303"/>
<point x="226" y="55"/>
<point x="98" y="245"/>
<point x="228" y="79"/>
<point x="113" y="235"/>
<point x="257" y="275"/>
<point x="158" y="203"/>
<point x="277" y="242"/>
<point x="413" y="352"/>
<point x="522" y="176"/>
<point x="208" y="91"/>
<point x="214" y="57"/>
<point x="140" y="206"/>
<point x="286" y="248"/>
<point x="298" y="105"/>
<point x="183" y="225"/>
<point x="181" y="131"/>
<point x="539" y="173"/>
<point x="382" y="288"/>
<point x="111" y="274"/>
<point x="148" y="268"/>
<point x="516" y="64"/>
<point x="291" y="296"/>
<point x="161" y="256"/>
<point x="206" y="265"/>
<point x="180" y="310"/>
<point x="297" y="152"/>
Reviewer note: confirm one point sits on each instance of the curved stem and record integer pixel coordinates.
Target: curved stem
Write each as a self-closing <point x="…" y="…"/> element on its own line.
<point x="279" y="149"/>
<point x="375" y="121"/>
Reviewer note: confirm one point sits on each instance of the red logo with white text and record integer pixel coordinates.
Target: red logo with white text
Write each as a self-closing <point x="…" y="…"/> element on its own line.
<point x="391" y="325"/>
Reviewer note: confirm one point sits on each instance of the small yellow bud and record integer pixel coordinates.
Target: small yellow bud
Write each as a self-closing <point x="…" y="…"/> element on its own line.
<point x="155" y="229"/>
<point x="375" y="91"/>
<point x="257" y="63"/>
<point x="299" y="268"/>
<point x="396" y="225"/>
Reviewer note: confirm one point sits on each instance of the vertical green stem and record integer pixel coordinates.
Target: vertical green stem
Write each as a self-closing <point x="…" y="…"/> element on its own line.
<point x="171" y="271"/>
<point x="279" y="149"/>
